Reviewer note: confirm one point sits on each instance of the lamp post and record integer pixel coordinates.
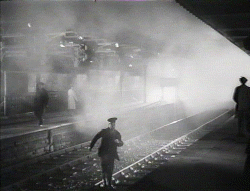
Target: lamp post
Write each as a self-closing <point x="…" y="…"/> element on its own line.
<point x="4" y="83"/>
<point x="145" y="82"/>
<point x="5" y="93"/>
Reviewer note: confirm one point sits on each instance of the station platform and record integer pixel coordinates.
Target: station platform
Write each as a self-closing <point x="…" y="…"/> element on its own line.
<point x="27" y="123"/>
<point x="21" y="124"/>
<point x="215" y="162"/>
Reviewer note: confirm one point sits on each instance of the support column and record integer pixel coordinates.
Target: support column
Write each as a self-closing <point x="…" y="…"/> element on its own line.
<point x="5" y="93"/>
<point x="145" y="83"/>
<point x="121" y="83"/>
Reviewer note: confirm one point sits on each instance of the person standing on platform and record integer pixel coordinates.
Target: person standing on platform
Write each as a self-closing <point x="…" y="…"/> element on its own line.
<point x="111" y="139"/>
<point x="40" y="102"/>
<point x="72" y="101"/>
<point x="242" y="98"/>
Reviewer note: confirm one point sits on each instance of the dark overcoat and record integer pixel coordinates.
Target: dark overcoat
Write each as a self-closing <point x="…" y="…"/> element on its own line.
<point x="242" y="98"/>
<point x="108" y="145"/>
<point x="41" y="99"/>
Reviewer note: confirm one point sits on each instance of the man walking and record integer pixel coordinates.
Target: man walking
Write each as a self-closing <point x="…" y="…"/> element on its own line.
<point x="40" y="102"/>
<point x="111" y="139"/>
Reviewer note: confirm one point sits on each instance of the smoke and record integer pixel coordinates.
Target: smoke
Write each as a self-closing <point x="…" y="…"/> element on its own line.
<point x="205" y="65"/>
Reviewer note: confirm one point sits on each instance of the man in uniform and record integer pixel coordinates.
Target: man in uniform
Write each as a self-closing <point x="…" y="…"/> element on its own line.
<point x="111" y="139"/>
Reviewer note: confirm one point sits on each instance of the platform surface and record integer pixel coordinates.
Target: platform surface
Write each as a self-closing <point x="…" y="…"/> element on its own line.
<point x="27" y="123"/>
<point x="215" y="162"/>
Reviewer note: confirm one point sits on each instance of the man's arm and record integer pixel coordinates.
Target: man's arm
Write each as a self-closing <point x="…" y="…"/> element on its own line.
<point x="74" y="95"/>
<point x="235" y="96"/>
<point x="98" y="136"/>
<point x="119" y="141"/>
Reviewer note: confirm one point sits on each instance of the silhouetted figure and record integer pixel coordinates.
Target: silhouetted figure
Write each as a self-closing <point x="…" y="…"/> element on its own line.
<point x="40" y="102"/>
<point x="111" y="139"/>
<point x="72" y="101"/>
<point x="242" y="98"/>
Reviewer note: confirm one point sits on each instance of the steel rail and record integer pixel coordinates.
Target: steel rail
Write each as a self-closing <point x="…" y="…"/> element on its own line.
<point x="54" y="153"/>
<point x="75" y="161"/>
<point x="165" y="146"/>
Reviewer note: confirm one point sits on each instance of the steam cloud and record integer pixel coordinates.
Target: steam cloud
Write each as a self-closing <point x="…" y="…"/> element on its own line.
<point x="206" y="65"/>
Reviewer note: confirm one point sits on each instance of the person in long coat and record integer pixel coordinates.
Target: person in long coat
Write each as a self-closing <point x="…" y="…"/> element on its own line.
<point x="111" y="139"/>
<point x="242" y="98"/>
<point x="72" y="100"/>
<point x="40" y="102"/>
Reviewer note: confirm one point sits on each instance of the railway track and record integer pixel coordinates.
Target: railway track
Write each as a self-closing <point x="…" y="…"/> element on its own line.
<point x="76" y="168"/>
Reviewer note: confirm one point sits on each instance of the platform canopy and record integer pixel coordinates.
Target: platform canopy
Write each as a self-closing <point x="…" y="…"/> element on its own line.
<point x="231" y="18"/>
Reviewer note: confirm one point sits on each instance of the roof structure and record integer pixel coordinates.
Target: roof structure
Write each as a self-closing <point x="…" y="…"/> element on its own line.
<point x="231" y="18"/>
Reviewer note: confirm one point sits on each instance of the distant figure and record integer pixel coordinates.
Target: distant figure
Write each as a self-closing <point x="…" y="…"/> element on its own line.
<point x="242" y="98"/>
<point x="72" y="100"/>
<point x="111" y="139"/>
<point x="40" y="102"/>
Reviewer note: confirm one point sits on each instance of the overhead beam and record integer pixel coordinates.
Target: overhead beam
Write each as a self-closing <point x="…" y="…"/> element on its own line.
<point x="235" y="29"/>
<point x="235" y="15"/>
